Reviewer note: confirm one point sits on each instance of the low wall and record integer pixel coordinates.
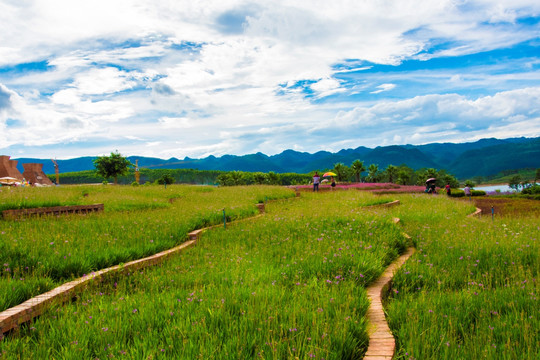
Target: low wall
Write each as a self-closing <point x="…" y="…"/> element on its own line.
<point x="54" y="210"/>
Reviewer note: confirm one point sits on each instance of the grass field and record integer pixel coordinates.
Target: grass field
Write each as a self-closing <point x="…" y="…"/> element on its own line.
<point x="39" y="253"/>
<point x="292" y="285"/>
<point x="471" y="290"/>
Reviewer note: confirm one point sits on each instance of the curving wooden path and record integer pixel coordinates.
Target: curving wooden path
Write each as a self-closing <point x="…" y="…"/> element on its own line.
<point x="382" y="344"/>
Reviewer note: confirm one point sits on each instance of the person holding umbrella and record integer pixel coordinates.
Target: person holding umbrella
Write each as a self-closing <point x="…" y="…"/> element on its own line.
<point x="430" y="186"/>
<point x="332" y="181"/>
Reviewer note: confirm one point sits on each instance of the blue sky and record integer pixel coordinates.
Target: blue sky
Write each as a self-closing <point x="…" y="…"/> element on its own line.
<point x="198" y="78"/>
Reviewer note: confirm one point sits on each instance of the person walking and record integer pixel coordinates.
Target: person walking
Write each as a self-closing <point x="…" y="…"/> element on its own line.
<point x="316" y="182"/>
<point x="448" y="189"/>
<point x="467" y="191"/>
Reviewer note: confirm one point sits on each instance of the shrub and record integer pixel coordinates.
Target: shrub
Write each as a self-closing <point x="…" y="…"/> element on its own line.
<point x="533" y="190"/>
<point x="459" y="193"/>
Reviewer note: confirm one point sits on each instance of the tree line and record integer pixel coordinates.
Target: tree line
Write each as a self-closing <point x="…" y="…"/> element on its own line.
<point x="119" y="169"/>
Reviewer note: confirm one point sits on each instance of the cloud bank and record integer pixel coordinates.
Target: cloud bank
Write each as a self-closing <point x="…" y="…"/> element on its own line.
<point x="184" y="78"/>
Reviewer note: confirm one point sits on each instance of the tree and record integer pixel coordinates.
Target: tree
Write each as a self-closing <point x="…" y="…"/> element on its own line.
<point x="515" y="182"/>
<point x="112" y="166"/>
<point x="537" y="175"/>
<point x="406" y="175"/>
<point x="425" y="174"/>
<point x="342" y="171"/>
<point x="259" y="178"/>
<point x="449" y="179"/>
<point x="166" y="179"/>
<point x="373" y="173"/>
<point x="470" y="183"/>
<point x="273" y="178"/>
<point x="391" y="173"/>
<point x="358" y="168"/>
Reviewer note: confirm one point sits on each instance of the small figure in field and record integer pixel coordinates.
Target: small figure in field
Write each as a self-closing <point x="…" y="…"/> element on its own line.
<point x="467" y="191"/>
<point x="448" y="190"/>
<point x="333" y="182"/>
<point x="316" y="182"/>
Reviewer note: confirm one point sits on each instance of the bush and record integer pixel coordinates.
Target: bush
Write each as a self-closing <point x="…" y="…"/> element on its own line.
<point x="532" y="190"/>
<point x="460" y="193"/>
<point x="134" y="183"/>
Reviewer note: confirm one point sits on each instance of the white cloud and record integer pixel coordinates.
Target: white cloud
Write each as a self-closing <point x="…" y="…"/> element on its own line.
<point x="188" y="71"/>
<point x="384" y="87"/>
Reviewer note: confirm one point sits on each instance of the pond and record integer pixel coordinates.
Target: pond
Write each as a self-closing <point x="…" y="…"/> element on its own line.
<point x="494" y="188"/>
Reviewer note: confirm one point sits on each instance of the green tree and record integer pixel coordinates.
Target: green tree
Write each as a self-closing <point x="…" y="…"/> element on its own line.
<point x="537" y="175"/>
<point x="373" y="173"/>
<point x="342" y="171"/>
<point x="424" y="174"/>
<point x="237" y="178"/>
<point x="112" y="166"/>
<point x="470" y="183"/>
<point x="515" y="182"/>
<point x="391" y="173"/>
<point x="273" y="178"/>
<point x="449" y="179"/>
<point x="166" y="179"/>
<point x="259" y="178"/>
<point x="358" y="168"/>
<point x="406" y="175"/>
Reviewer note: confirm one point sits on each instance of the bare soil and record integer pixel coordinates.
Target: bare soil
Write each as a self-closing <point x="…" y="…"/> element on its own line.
<point x="507" y="206"/>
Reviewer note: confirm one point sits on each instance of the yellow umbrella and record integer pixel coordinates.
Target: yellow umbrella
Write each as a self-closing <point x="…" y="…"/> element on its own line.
<point x="329" y="174"/>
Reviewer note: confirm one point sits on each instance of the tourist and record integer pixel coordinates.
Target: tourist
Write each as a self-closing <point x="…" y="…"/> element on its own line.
<point x="467" y="191"/>
<point x="316" y="181"/>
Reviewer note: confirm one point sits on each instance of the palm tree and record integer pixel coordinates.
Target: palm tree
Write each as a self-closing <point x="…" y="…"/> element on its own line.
<point x="373" y="173"/>
<point x="342" y="171"/>
<point x="358" y="167"/>
<point x="391" y="172"/>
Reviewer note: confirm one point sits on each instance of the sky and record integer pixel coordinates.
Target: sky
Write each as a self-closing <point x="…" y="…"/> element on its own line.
<point x="175" y="78"/>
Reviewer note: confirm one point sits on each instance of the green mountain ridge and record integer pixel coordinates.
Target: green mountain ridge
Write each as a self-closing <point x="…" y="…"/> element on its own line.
<point x="484" y="157"/>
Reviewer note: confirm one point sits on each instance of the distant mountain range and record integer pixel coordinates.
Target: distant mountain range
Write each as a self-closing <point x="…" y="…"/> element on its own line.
<point x="481" y="158"/>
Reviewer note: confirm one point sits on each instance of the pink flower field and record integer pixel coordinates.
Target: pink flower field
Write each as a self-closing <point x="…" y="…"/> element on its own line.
<point x="380" y="188"/>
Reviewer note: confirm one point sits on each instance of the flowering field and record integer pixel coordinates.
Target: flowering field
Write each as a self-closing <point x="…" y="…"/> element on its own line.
<point x="471" y="290"/>
<point x="290" y="284"/>
<point x="37" y="254"/>
<point x="382" y="188"/>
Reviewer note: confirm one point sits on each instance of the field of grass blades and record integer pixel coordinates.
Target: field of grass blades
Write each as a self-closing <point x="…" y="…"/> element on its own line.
<point x="290" y="284"/>
<point x="471" y="290"/>
<point x="39" y="253"/>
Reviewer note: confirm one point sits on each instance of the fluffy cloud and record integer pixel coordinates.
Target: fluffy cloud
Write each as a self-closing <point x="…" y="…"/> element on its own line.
<point x="193" y="78"/>
<point x="5" y="96"/>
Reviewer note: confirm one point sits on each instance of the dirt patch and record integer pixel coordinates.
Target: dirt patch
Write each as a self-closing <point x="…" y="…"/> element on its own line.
<point x="507" y="206"/>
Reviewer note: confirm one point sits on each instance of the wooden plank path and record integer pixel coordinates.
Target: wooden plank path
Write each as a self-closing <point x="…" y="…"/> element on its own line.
<point x="382" y="344"/>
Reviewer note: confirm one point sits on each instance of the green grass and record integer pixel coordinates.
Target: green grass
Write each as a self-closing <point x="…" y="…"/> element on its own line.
<point x="471" y="289"/>
<point x="39" y="253"/>
<point x="290" y="284"/>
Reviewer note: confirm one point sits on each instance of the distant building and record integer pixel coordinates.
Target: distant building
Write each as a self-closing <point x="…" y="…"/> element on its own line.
<point x="8" y="168"/>
<point x="34" y="174"/>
